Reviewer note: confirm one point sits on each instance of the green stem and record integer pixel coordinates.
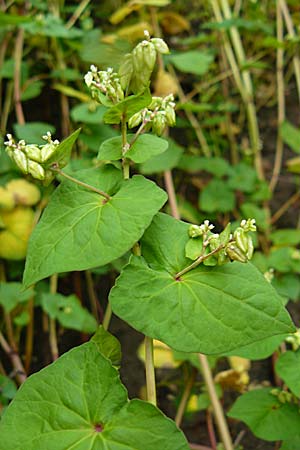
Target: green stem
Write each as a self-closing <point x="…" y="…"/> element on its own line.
<point x="81" y="183"/>
<point x="52" y="323"/>
<point x="107" y="317"/>
<point x="184" y="399"/>
<point x="198" y="261"/>
<point x="150" y="371"/>
<point x="125" y="162"/>
<point x="280" y="100"/>
<point x="77" y="13"/>
<point x="15" y="359"/>
<point x="217" y="408"/>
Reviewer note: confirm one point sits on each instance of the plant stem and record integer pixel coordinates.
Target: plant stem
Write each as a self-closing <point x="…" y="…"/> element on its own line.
<point x="218" y="410"/>
<point x="198" y="261"/>
<point x="184" y="399"/>
<point x="52" y="322"/>
<point x="150" y="371"/>
<point x="290" y="28"/>
<point x="107" y="316"/>
<point x="92" y="294"/>
<point x="80" y="183"/>
<point x="77" y="13"/>
<point x="171" y="193"/>
<point x="285" y="207"/>
<point x="243" y="81"/>
<point x="29" y="335"/>
<point x="17" y="76"/>
<point x="280" y="100"/>
<point x="125" y="162"/>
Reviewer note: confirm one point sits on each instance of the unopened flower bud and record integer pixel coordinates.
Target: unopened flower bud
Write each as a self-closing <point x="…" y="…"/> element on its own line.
<point x="195" y="231"/>
<point x="241" y="239"/>
<point x="47" y="151"/>
<point x="170" y="116"/>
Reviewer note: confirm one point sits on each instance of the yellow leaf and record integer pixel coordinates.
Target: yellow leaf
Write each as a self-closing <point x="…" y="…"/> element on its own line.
<point x="119" y="15"/>
<point x="239" y="364"/>
<point x="135" y="32"/>
<point x="163" y="355"/>
<point x="173" y="23"/>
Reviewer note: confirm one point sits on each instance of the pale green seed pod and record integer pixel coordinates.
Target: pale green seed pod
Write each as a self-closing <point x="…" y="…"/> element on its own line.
<point x="135" y="120"/>
<point x="36" y="170"/>
<point x="235" y="253"/>
<point x="125" y="71"/>
<point x="143" y="60"/>
<point x="170" y="116"/>
<point x="20" y="159"/>
<point x="160" y="46"/>
<point x="250" y="249"/>
<point x="159" y="123"/>
<point x="33" y="152"/>
<point x="47" y="151"/>
<point x="241" y="239"/>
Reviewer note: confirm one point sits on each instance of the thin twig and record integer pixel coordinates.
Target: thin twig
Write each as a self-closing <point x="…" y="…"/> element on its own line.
<point x="15" y="359"/>
<point x="29" y="335"/>
<point x="171" y="193"/>
<point x="184" y="399"/>
<point x="198" y="261"/>
<point x="77" y="13"/>
<point x="17" y="76"/>
<point x="285" y="207"/>
<point x="92" y="294"/>
<point x="217" y="407"/>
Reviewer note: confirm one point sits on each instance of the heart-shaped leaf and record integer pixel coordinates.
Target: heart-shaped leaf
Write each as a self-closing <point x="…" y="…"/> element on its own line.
<point x="266" y="416"/>
<point x="207" y="310"/>
<point x="288" y="367"/>
<point x="80" y="229"/>
<point x="79" y="402"/>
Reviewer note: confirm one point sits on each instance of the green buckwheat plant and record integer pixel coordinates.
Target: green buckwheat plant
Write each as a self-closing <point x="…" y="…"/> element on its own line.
<point x="185" y="285"/>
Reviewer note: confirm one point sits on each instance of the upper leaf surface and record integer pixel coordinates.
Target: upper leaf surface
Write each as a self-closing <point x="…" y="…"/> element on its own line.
<point x="209" y="310"/>
<point x="80" y="229"/>
<point x="127" y="107"/>
<point x="79" y="402"/>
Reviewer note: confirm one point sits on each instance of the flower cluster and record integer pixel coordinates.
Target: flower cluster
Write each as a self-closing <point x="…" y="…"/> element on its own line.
<point x="104" y="83"/>
<point x="221" y="248"/>
<point x="33" y="159"/>
<point x="158" y="115"/>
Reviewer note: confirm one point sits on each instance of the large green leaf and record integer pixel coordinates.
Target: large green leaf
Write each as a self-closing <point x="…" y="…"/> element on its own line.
<point x="144" y="148"/>
<point x="207" y="310"/>
<point x="288" y="368"/>
<point x="258" y="350"/>
<point x="80" y="229"/>
<point x="79" y="403"/>
<point x="266" y="416"/>
<point x="165" y="161"/>
<point x="216" y="196"/>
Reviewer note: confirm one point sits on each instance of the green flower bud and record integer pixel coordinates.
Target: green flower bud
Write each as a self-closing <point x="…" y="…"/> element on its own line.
<point x="250" y="250"/>
<point x="36" y="170"/>
<point x="143" y="60"/>
<point x="195" y="231"/>
<point x="235" y="253"/>
<point x="160" y="46"/>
